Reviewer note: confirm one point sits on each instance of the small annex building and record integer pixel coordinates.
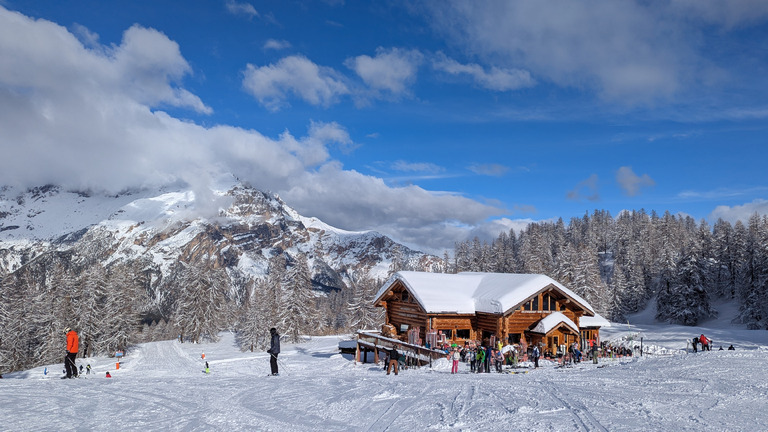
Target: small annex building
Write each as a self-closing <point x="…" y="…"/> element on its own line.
<point x="513" y="308"/>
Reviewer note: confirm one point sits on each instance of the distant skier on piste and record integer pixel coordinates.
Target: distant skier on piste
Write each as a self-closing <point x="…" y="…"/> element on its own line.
<point x="274" y="350"/>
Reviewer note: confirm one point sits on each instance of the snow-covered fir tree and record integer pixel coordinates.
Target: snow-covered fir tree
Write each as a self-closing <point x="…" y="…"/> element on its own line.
<point x="297" y="303"/>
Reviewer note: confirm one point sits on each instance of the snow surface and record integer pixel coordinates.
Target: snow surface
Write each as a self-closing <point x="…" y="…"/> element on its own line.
<point x="161" y="386"/>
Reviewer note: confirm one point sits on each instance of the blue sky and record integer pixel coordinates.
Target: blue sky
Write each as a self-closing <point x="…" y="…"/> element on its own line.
<point x="431" y="122"/>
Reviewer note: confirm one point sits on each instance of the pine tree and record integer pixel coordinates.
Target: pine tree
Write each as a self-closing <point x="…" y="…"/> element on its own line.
<point x="685" y="300"/>
<point x="362" y="313"/>
<point x="297" y="303"/>
<point x="202" y="294"/>
<point x="724" y="272"/>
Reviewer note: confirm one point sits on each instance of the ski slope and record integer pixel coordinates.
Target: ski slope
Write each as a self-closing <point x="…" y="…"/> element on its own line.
<point x="161" y="386"/>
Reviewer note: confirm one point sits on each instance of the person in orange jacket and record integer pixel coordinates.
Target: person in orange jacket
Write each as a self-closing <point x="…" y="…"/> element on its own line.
<point x="73" y="346"/>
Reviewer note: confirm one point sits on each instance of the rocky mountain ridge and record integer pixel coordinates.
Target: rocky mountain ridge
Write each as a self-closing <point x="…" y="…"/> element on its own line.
<point x="237" y="228"/>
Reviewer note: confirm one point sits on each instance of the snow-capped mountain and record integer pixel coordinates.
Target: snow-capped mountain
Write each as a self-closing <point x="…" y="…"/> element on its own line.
<point x="235" y="227"/>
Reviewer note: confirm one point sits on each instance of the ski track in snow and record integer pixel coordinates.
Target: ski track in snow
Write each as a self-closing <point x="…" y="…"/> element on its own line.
<point x="161" y="386"/>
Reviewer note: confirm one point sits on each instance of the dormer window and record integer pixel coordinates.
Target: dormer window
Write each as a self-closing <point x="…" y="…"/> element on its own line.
<point x="549" y="303"/>
<point x="405" y="296"/>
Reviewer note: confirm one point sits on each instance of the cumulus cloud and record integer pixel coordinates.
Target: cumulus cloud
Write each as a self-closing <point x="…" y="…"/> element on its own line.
<point x="244" y="9"/>
<point x="391" y="70"/>
<point x="630" y="182"/>
<point x="297" y="75"/>
<point x="586" y="189"/>
<point x="740" y="212"/>
<point x="498" y="79"/>
<point x="357" y="201"/>
<point x="91" y="119"/>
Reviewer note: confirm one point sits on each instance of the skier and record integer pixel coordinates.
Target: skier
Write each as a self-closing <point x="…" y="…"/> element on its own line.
<point x="535" y="355"/>
<point x="81" y="369"/>
<point x="274" y="350"/>
<point x="731" y="348"/>
<point x="73" y="346"/>
<point x="695" y="344"/>
<point x="108" y="375"/>
<point x="456" y="357"/>
<point x="88" y="369"/>
<point x="207" y="370"/>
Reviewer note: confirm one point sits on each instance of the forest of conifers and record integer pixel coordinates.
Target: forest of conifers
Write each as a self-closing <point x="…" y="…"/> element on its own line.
<point x="620" y="265"/>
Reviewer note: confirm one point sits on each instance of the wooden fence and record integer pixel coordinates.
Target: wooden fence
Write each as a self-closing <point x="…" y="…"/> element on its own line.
<point x="412" y="354"/>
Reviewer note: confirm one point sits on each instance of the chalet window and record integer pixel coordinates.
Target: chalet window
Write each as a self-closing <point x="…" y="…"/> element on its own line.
<point x="513" y="338"/>
<point x="549" y="303"/>
<point x="448" y="334"/>
<point x="462" y="334"/>
<point x="562" y="308"/>
<point x="535" y="303"/>
<point x="405" y="296"/>
<point x="527" y="306"/>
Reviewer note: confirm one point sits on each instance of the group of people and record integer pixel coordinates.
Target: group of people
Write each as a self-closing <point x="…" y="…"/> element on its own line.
<point x="484" y="358"/>
<point x="706" y="344"/>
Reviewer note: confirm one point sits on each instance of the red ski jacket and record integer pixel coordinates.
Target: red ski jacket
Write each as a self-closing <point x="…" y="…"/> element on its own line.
<point x="73" y="342"/>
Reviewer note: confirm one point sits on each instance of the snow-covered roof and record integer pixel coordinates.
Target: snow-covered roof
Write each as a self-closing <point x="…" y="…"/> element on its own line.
<point x="467" y="293"/>
<point x="594" y="321"/>
<point x="552" y="321"/>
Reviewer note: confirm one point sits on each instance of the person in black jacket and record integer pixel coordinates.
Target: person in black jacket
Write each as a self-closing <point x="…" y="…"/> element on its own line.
<point x="394" y="358"/>
<point x="274" y="349"/>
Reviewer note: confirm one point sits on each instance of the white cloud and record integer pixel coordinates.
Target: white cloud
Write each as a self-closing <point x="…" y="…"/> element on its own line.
<point x="392" y="70"/>
<point x="297" y="75"/>
<point x="89" y="119"/>
<point x="355" y="201"/>
<point x="730" y="14"/>
<point x="740" y="212"/>
<point x="629" y="52"/>
<point x="278" y="45"/>
<point x="245" y="9"/>
<point x="87" y="37"/>
<point x="586" y="189"/>
<point x="498" y="79"/>
<point x="630" y="182"/>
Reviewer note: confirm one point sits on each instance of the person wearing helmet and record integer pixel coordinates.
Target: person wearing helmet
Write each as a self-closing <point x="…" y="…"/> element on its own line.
<point x="73" y="346"/>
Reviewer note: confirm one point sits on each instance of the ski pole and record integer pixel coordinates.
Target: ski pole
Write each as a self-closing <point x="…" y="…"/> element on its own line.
<point x="74" y="366"/>
<point x="279" y="362"/>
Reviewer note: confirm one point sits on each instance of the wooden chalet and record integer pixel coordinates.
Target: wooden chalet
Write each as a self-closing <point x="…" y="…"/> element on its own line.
<point x="513" y="308"/>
